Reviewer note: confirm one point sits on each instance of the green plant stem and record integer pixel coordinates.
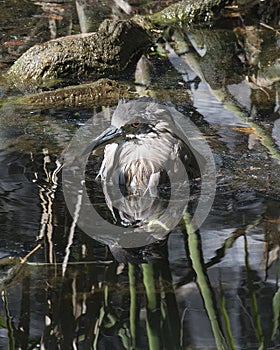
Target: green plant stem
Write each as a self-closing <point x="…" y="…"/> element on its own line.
<point x="133" y="315"/>
<point x="253" y="299"/>
<point x="153" y="311"/>
<point x="227" y="321"/>
<point x="203" y="282"/>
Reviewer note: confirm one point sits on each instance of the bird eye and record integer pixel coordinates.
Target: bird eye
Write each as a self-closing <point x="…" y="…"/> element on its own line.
<point x="135" y="125"/>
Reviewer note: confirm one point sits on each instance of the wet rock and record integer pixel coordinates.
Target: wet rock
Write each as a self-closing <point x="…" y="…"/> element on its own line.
<point x="108" y="52"/>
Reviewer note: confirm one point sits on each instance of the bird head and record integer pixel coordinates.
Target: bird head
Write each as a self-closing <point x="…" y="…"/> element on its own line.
<point x="133" y="120"/>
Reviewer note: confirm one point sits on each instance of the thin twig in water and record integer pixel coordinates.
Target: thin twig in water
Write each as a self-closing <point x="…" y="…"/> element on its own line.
<point x="103" y="262"/>
<point x="182" y="326"/>
<point x="269" y="27"/>
<point x="24" y="259"/>
<point x="72" y="231"/>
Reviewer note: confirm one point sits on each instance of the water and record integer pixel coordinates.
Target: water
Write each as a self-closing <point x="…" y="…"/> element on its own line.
<point x="217" y="288"/>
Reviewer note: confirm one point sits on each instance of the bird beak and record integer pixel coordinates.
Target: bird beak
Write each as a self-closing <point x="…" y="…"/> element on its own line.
<point x="98" y="145"/>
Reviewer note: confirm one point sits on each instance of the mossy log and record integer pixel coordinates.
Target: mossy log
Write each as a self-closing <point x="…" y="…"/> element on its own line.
<point x="101" y="92"/>
<point x="115" y="47"/>
<point x="108" y="52"/>
<point x="188" y="11"/>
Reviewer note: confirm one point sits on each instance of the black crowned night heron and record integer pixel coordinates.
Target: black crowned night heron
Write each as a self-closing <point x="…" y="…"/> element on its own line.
<point x="140" y="152"/>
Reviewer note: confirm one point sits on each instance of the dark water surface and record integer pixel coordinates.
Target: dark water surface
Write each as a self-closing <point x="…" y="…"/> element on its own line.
<point x="217" y="288"/>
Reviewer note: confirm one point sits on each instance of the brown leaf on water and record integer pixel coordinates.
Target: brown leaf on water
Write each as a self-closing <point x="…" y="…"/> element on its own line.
<point x="245" y="130"/>
<point x="273" y="220"/>
<point x="13" y="43"/>
<point x="54" y="16"/>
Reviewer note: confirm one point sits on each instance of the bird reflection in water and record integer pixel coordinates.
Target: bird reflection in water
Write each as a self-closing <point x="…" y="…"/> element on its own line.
<point x="132" y="166"/>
